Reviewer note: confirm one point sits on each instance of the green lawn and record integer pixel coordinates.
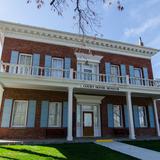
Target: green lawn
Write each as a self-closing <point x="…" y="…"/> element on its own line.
<point x="150" y="144"/>
<point x="80" y="151"/>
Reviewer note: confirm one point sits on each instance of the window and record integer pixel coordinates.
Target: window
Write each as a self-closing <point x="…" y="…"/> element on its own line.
<point x="142" y="116"/>
<point x="19" y="116"/>
<point x="25" y="64"/>
<point x="57" y="67"/>
<point x="114" y="73"/>
<point x="89" y="71"/>
<point x="54" y="115"/>
<point x="117" y="116"/>
<point x="138" y="76"/>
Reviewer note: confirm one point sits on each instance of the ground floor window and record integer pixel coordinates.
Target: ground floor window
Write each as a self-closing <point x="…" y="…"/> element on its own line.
<point x="142" y="116"/>
<point x="54" y="114"/>
<point x="117" y="116"/>
<point x="19" y="116"/>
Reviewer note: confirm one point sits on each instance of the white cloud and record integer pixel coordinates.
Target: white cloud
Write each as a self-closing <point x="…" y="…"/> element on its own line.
<point x="155" y="42"/>
<point x="150" y="23"/>
<point x="137" y="12"/>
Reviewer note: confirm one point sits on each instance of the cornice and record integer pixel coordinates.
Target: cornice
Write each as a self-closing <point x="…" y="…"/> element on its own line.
<point x="88" y="57"/>
<point x="38" y="34"/>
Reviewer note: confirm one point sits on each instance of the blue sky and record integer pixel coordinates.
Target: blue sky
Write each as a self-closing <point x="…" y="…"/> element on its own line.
<point x="140" y="18"/>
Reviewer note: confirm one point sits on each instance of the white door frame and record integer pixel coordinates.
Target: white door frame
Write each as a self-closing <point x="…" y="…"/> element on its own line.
<point x="95" y="109"/>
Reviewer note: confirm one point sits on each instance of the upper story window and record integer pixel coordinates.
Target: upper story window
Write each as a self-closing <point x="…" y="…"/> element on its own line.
<point x="57" y="67"/>
<point x="25" y="62"/>
<point x="55" y="114"/>
<point x="87" y="71"/>
<point x="138" y="76"/>
<point x="142" y="116"/>
<point x="117" y="116"/>
<point x="19" y="116"/>
<point x="115" y="72"/>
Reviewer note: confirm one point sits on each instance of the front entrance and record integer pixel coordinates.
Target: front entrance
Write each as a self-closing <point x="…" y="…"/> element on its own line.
<point x="88" y="120"/>
<point x="88" y="124"/>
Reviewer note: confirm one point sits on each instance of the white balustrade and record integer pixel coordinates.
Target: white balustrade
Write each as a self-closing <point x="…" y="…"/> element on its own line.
<point x="57" y="73"/>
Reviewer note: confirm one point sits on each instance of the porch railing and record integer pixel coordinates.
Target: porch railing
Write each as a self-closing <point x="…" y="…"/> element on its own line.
<point x="18" y="69"/>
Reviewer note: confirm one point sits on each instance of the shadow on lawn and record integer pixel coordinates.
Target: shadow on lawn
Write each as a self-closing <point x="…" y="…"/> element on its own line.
<point x="8" y="157"/>
<point x="29" y="152"/>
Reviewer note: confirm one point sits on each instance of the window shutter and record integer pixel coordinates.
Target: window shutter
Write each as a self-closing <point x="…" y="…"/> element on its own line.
<point x="131" y="72"/>
<point x="13" y="60"/>
<point x="108" y="71"/>
<point x="48" y="63"/>
<point x="136" y="116"/>
<point x="110" y="115"/>
<point x="6" y="113"/>
<point x="65" y="114"/>
<point x="126" y="115"/>
<point x="67" y="66"/>
<point x="44" y="114"/>
<point x="123" y="73"/>
<point x="31" y="113"/>
<point x="145" y="75"/>
<point x="36" y="60"/>
<point x="151" y="116"/>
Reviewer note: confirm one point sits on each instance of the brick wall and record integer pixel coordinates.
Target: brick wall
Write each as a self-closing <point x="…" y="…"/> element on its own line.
<point x="36" y="132"/>
<point x="121" y="100"/>
<point x="41" y="133"/>
<point x="31" y="47"/>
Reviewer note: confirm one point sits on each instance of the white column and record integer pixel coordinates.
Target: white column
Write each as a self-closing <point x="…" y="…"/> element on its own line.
<point x="1" y="94"/>
<point x="130" y="116"/>
<point x="156" y="117"/>
<point x="70" y="114"/>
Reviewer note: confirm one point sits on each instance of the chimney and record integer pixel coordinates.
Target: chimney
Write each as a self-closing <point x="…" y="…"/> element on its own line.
<point x="141" y="42"/>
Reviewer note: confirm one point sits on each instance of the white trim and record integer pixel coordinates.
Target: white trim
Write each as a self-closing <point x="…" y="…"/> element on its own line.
<point x="25" y="125"/>
<point x="89" y="99"/>
<point x="156" y="117"/>
<point x="1" y="95"/>
<point x="59" y="125"/>
<point x="88" y="57"/>
<point x="140" y="70"/>
<point x="46" y="83"/>
<point x="81" y="106"/>
<point x="24" y="54"/>
<point x="37" y="34"/>
<point x="121" y="116"/>
<point x="145" y="114"/>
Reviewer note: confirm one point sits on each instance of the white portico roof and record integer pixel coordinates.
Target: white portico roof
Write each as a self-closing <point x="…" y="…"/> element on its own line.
<point x="25" y="32"/>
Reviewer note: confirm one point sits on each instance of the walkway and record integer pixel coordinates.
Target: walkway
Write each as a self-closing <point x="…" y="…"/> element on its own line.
<point x="137" y="152"/>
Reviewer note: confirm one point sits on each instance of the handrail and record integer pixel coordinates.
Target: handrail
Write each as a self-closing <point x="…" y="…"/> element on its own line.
<point x="61" y="73"/>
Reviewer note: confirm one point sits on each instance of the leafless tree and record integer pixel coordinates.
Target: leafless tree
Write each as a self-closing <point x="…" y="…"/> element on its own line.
<point x="85" y="11"/>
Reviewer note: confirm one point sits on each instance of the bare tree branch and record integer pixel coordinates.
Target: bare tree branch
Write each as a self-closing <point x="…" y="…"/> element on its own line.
<point x="85" y="11"/>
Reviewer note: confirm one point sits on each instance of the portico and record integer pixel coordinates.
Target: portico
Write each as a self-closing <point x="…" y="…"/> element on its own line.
<point x="88" y="112"/>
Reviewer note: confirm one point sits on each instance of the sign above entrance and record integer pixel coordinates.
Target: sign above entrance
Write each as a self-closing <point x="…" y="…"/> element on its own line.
<point x="100" y="87"/>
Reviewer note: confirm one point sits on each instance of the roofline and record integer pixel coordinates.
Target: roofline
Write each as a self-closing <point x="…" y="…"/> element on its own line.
<point x="10" y="29"/>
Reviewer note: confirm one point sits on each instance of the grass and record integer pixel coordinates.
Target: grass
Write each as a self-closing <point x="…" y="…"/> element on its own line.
<point x="149" y="144"/>
<point x="80" y="151"/>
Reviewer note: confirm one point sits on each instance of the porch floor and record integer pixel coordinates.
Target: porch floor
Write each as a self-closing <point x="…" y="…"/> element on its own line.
<point x="63" y="140"/>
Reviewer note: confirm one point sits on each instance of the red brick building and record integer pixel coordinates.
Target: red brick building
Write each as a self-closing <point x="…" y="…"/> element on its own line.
<point x="57" y="84"/>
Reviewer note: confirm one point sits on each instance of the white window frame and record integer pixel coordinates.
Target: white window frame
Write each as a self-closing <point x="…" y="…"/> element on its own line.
<point x="57" y="69"/>
<point x="145" y="118"/>
<point x="60" y="118"/>
<point x="30" y="66"/>
<point x="121" y="116"/>
<point x="83" y="67"/>
<point x="114" y="78"/>
<point x="139" y="82"/>
<point x="16" y="126"/>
